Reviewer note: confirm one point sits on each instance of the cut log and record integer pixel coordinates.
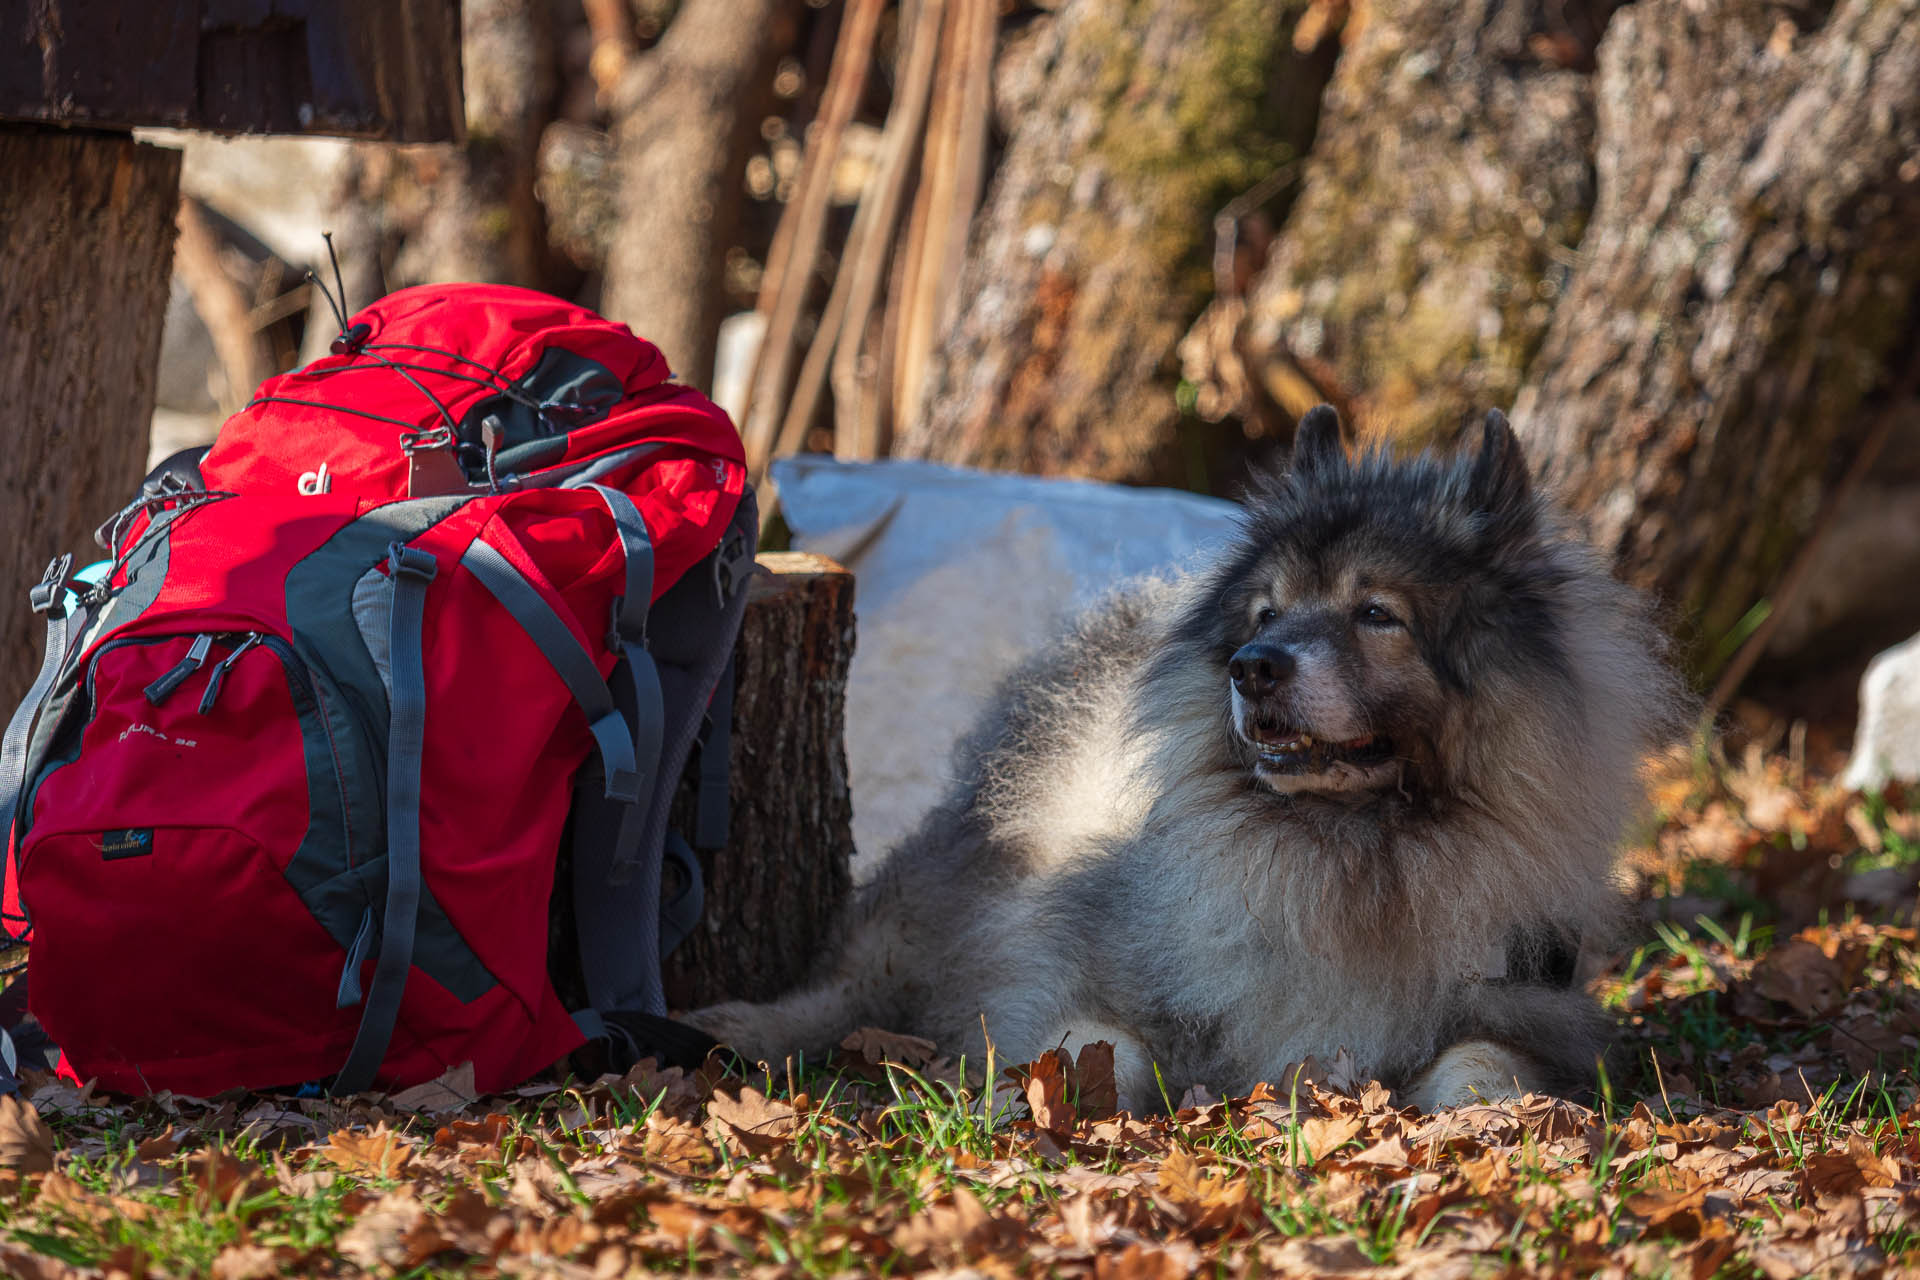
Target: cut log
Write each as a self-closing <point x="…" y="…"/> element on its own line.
<point x="1749" y="275"/>
<point x="774" y="891"/>
<point x="86" y="257"/>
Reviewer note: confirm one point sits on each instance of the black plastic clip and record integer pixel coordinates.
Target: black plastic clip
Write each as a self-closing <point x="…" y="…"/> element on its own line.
<point x="727" y="575"/>
<point x="351" y="339"/>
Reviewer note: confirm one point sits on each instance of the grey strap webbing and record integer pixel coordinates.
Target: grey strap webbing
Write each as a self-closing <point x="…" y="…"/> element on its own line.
<point x="713" y="799"/>
<point x="636" y="691"/>
<point x="49" y="597"/>
<point x="412" y="569"/>
<point x="570" y="661"/>
<point x="616" y="879"/>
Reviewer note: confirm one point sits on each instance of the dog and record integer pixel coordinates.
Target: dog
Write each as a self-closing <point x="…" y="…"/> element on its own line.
<point x="1354" y="785"/>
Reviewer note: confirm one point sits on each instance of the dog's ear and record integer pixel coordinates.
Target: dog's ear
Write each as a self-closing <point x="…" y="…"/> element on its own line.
<point x="1500" y="481"/>
<point x="1316" y="444"/>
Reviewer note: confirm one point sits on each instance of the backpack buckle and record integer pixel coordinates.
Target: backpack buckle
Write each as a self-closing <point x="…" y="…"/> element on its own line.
<point x="617" y="637"/>
<point x="404" y="561"/>
<point x="49" y="595"/>
<point x="727" y="577"/>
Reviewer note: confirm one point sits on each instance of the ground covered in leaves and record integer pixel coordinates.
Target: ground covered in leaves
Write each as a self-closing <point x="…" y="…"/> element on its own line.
<point x="1762" y="1118"/>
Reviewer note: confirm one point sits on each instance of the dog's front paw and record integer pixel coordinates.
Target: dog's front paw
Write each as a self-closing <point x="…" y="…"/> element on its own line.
<point x="1473" y="1071"/>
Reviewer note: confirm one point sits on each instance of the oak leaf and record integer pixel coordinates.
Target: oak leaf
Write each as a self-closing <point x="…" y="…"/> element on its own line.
<point x="755" y="1122"/>
<point x="377" y="1153"/>
<point x="26" y="1143"/>
<point x="1801" y="975"/>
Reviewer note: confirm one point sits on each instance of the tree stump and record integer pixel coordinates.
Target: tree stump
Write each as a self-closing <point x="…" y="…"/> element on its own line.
<point x="85" y="255"/>
<point x="774" y="891"/>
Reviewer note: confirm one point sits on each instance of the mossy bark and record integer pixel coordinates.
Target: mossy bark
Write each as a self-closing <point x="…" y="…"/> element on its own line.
<point x="1449" y="182"/>
<point x="1749" y="274"/>
<point x="1090" y="258"/>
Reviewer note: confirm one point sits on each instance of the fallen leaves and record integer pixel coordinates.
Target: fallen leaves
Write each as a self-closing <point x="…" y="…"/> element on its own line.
<point x="1764" y="1120"/>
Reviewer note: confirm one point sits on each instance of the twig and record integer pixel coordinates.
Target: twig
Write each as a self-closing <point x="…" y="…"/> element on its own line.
<point x="952" y="179"/>
<point x="796" y="242"/>
<point x="1793" y="583"/>
<point x="222" y="306"/>
<point x="613" y="46"/>
<point x="865" y="265"/>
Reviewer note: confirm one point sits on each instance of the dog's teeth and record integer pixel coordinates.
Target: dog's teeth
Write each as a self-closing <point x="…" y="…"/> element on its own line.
<point x="1304" y="740"/>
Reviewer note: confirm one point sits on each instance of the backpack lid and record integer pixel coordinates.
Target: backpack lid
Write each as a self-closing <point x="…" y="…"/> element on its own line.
<point x="546" y="387"/>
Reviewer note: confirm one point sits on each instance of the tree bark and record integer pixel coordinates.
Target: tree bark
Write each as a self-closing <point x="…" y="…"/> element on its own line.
<point x="1089" y="259"/>
<point x="1750" y="270"/>
<point x="774" y="891"/>
<point x="1450" y="179"/>
<point x="686" y="119"/>
<point x="88" y="243"/>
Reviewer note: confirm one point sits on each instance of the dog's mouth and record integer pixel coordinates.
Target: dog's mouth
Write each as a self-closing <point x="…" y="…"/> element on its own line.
<point x="1296" y="752"/>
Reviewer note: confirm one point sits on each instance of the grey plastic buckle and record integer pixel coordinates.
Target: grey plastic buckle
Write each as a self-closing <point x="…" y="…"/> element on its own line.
<point x="49" y="595"/>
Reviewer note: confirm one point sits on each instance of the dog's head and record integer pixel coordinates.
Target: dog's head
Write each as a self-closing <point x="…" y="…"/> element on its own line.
<point x="1368" y="601"/>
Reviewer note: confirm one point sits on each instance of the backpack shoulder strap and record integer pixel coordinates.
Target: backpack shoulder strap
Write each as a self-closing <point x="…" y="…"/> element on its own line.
<point x="619" y="851"/>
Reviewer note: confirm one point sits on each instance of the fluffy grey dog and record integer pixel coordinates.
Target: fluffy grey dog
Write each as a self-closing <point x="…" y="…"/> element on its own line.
<point x="1354" y="785"/>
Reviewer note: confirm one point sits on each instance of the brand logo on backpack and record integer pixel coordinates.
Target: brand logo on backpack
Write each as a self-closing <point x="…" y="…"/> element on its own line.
<point x="134" y="842"/>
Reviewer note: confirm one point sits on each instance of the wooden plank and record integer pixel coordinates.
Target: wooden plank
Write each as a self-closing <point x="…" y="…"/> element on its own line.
<point x="85" y="255"/>
<point x="366" y="68"/>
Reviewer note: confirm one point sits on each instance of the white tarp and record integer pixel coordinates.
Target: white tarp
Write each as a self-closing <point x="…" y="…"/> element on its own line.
<point x="957" y="575"/>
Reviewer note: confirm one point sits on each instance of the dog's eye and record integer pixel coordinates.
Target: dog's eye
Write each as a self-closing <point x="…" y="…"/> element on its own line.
<point x="1377" y="615"/>
<point x="1267" y="614"/>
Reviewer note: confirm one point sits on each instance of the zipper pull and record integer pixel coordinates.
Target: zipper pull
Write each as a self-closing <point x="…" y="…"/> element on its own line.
<point x="171" y="679"/>
<point x="220" y="671"/>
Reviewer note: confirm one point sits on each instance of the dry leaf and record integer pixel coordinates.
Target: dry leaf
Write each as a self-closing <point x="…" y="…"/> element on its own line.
<point x="676" y="1145"/>
<point x="1321" y="1136"/>
<point x="1801" y="975"/>
<point x="26" y="1143"/>
<point x="450" y="1091"/>
<point x="377" y="1153"/>
<point x="1175" y="1261"/>
<point x="1208" y="1200"/>
<point x="758" y="1123"/>
<point x="1092" y="1087"/>
<point x="873" y="1046"/>
<point x="246" y="1262"/>
<point x="1045" y="1089"/>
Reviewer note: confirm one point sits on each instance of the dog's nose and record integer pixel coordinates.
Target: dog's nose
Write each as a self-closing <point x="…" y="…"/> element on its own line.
<point x="1258" y="668"/>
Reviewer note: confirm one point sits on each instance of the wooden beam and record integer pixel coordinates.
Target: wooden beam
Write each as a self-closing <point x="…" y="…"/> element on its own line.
<point x="364" y="68"/>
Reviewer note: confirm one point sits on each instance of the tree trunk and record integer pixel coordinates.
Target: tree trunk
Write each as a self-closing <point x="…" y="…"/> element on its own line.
<point x="775" y="889"/>
<point x="1750" y="270"/>
<point x="88" y="242"/>
<point x="1449" y="182"/>
<point x="421" y="215"/>
<point x="686" y="120"/>
<point x="1090" y="257"/>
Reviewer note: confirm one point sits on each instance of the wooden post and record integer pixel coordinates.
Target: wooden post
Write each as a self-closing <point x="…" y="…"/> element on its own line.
<point x="86" y="238"/>
<point x="774" y="891"/>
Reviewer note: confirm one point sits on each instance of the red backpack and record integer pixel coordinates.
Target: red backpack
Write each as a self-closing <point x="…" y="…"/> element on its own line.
<point x="437" y="613"/>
